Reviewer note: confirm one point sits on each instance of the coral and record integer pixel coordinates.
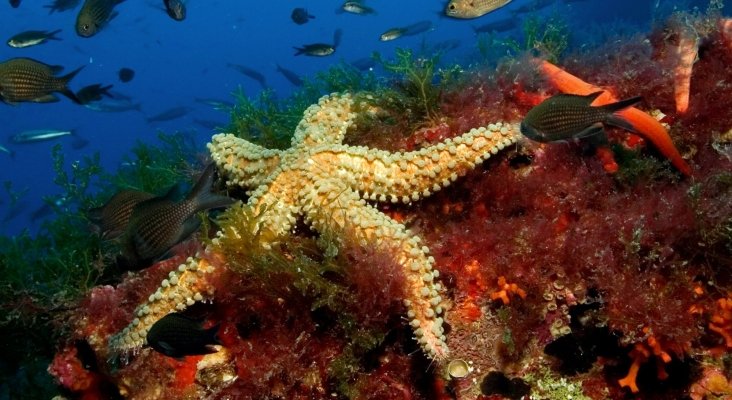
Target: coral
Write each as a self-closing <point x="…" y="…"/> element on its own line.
<point x="505" y="289"/>
<point x="721" y="321"/>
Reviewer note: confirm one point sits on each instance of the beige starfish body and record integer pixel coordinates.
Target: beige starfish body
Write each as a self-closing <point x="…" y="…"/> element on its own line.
<point x="328" y="183"/>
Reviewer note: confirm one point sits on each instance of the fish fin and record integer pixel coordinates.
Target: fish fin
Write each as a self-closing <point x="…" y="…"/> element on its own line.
<point x="201" y="193"/>
<point x="620" y="105"/>
<point x="65" y="80"/>
<point x="591" y="130"/>
<point x="168" y="350"/>
<point x="48" y="98"/>
<point x="592" y="96"/>
<point x="300" y="50"/>
<point x="620" y="122"/>
<point x="174" y="193"/>
<point x="52" y="35"/>
<point x="187" y="228"/>
<point x="213" y="334"/>
<point x="616" y="119"/>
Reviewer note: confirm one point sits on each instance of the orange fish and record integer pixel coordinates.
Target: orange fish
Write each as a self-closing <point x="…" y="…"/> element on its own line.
<point x="644" y="124"/>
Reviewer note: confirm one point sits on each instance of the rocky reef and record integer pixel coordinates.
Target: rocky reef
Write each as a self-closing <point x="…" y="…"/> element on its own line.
<point x="455" y="261"/>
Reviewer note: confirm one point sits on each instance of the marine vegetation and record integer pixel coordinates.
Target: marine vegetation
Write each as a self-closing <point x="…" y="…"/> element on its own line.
<point x="416" y="92"/>
<point x="457" y="260"/>
<point x="45" y="276"/>
<point x="549" y="38"/>
<point x="268" y="121"/>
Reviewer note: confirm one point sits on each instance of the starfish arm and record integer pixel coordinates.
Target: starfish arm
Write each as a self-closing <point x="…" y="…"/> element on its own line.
<point x="325" y="122"/>
<point x="184" y="287"/>
<point x="244" y="163"/>
<point x="275" y="203"/>
<point x="407" y="177"/>
<point x="332" y="208"/>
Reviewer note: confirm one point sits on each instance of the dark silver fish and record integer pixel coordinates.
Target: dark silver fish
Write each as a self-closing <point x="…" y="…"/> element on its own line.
<point x="321" y="49"/>
<point x="170" y="114"/>
<point x="364" y="64"/>
<point x="32" y="38"/>
<point x="39" y="135"/>
<point x="356" y="7"/>
<point x="300" y="16"/>
<point x="114" y="105"/>
<point x="535" y="5"/>
<point x="62" y="5"/>
<point x="125" y="74"/>
<point x="208" y="124"/>
<point x="409" y="30"/>
<point x="246" y="71"/>
<point x="160" y="223"/>
<point x="175" y="9"/>
<point x="7" y="151"/>
<point x="94" y="15"/>
<point x="290" y="76"/>
<point x="571" y="116"/>
<point x="176" y="335"/>
<point x="91" y="93"/>
<point x="215" y="103"/>
<point x="25" y="79"/>
<point x="502" y="25"/>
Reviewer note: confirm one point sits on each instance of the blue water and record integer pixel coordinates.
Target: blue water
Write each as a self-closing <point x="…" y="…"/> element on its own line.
<point x="175" y="62"/>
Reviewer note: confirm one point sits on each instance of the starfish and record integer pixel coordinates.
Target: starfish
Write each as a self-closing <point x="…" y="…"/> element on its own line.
<point x="328" y="184"/>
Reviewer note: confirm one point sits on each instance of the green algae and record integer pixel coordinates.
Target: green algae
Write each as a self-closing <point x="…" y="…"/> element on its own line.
<point x="547" y="36"/>
<point x="417" y="91"/>
<point x="46" y="274"/>
<point x="270" y="121"/>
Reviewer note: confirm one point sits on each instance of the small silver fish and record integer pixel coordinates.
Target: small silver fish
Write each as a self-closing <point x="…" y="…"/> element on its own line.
<point x="9" y="152"/>
<point x="32" y="38"/>
<point x="38" y="135"/>
<point x="321" y="49"/>
<point x="410" y="30"/>
<point x="355" y="7"/>
<point x="391" y="34"/>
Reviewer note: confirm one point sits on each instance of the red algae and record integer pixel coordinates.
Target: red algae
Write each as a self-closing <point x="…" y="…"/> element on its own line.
<point x="646" y="258"/>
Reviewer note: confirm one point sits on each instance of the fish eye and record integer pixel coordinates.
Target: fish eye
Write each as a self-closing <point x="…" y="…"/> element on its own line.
<point x="452" y="6"/>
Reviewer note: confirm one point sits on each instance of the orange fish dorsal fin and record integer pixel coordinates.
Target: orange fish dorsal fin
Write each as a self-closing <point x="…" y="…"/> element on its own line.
<point x="644" y="124"/>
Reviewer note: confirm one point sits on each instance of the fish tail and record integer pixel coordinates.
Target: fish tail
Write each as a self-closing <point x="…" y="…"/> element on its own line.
<point x="639" y="121"/>
<point x="52" y="35"/>
<point x="201" y="193"/>
<point x="212" y="334"/>
<point x="65" y="81"/>
<point x="300" y="50"/>
<point x="616" y="119"/>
